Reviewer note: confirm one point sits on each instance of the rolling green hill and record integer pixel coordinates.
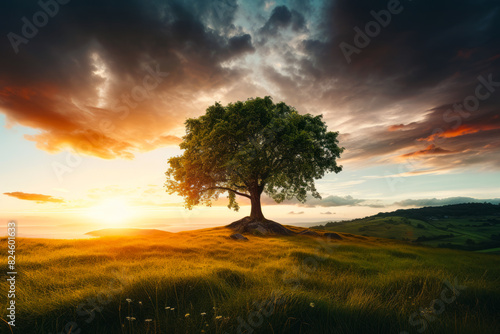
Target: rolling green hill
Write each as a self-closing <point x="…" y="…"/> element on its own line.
<point x="471" y="226"/>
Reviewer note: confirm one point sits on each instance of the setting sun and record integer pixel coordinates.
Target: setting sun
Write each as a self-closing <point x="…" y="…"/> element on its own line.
<point x="112" y="211"/>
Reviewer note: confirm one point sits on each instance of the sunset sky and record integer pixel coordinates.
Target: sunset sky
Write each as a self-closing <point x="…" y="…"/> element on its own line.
<point x="94" y="95"/>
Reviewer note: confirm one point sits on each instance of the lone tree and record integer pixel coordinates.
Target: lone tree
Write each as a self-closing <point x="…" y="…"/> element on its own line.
<point x="247" y="148"/>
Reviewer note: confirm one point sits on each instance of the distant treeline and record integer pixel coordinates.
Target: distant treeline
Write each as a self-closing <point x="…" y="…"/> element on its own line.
<point x="439" y="212"/>
<point x="430" y="213"/>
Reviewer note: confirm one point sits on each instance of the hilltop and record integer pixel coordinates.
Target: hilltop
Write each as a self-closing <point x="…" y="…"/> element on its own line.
<point x="469" y="226"/>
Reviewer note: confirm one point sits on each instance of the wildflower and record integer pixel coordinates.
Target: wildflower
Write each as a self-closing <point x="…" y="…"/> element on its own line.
<point x="427" y="310"/>
<point x="312" y="305"/>
<point x="203" y="314"/>
<point x="128" y="300"/>
<point x="187" y="315"/>
<point x="167" y="307"/>
<point x="148" y="320"/>
<point x="173" y="308"/>
<point x="140" y="303"/>
<point x="218" y="317"/>
<point x="132" y="318"/>
<point x="128" y="318"/>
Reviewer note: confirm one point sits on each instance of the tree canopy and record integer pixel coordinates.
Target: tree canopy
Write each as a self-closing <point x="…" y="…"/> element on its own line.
<point x="249" y="148"/>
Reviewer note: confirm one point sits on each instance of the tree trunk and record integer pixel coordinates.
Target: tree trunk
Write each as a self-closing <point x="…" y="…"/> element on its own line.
<point x="256" y="222"/>
<point x="256" y="211"/>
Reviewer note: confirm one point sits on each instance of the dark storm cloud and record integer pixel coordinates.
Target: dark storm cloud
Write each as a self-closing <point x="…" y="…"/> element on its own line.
<point x="424" y="44"/>
<point x="113" y="78"/>
<point x="77" y="77"/>
<point x="444" y="139"/>
<point x="282" y="18"/>
<point x="302" y="6"/>
<point x="427" y="58"/>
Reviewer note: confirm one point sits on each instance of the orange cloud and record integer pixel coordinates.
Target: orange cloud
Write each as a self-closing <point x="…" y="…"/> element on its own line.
<point x="98" y="132"/>
<point x="460" y="131"/>
<point x="35" y="197"/>
<point x="396" y="127"/>
<point x="429" y="150"/>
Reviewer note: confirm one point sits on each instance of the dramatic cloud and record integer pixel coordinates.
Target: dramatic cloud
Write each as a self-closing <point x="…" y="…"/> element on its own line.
<point x="112" y="80"/>
<point x="35" y="197"/>
<point x="396" y="127"/>
<point x="282" y="18"/>
<point x="431" y="149"/>
<point x="116" y="79"/>
<point x="445" y="201"/>
<point x="462" y="130"/>
<point x="407" y="82"/>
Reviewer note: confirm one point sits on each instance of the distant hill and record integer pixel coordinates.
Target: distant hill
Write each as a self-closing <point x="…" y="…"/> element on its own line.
<point x="469" y="226"/>
<point x="127" y="232"/>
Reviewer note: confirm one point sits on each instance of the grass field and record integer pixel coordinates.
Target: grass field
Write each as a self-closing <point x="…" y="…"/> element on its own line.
<point x="473" y="227"/>
<point x="203" y="282"/>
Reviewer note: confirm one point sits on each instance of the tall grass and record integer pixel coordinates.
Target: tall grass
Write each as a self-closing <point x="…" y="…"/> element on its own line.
<point x="203" y="282"/>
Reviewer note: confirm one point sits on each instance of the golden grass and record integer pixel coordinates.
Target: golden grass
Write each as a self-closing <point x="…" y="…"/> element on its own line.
<point x="356" y="285"/>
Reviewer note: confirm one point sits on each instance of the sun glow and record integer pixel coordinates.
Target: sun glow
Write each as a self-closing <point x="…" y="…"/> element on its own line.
<point x="112" y="211"/>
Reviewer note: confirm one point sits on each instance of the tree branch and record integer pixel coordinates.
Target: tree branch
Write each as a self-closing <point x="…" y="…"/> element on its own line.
<point x="240" y="187"/>
<point x="228" y="189"/>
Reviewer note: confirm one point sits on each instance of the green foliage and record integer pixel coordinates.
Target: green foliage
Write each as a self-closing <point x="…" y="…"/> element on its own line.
<point x="246" y="148"/>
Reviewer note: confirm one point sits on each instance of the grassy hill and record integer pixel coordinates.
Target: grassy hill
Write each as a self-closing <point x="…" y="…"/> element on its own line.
<point x="473" y="226"/>
<point x="204" y="282"/>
